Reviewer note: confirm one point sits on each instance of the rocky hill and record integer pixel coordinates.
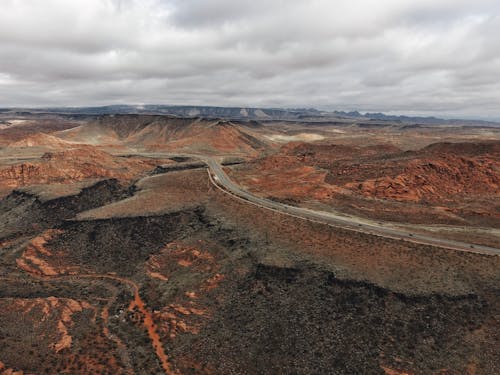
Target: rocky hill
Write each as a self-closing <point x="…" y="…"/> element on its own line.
<point x="72" y="165"/>
<point x="42" y="140"/>
<point x="168" y="133"/>
<point x="440" y="172"/>
<point x="440" y="183"/>
<point x="112" y="262"/>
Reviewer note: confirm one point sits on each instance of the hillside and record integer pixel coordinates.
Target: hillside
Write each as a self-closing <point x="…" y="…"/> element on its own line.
<point x="443" y="182"/>
<point x="214" y="282"/>
<point x="17" y="129"/>
<point x="439" y="173"/>
<point x="42" y="140"/>
<point x="167" y="133"/>
<point x="73" y="165"/>
<point x="120" y="255"/>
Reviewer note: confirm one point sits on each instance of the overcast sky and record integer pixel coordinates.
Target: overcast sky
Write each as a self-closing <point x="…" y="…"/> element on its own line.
<point x="439" y="57"/>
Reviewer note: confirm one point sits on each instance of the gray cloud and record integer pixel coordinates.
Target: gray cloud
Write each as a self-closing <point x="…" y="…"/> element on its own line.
<point x="427" y="56"/>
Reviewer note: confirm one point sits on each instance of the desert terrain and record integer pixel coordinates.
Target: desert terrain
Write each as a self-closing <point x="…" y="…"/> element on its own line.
<point x="123" y="250"/>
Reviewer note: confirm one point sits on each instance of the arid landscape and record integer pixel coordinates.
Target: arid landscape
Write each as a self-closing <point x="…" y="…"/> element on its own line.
<point x="248" y="242"/>
<point x="235" y="187"/>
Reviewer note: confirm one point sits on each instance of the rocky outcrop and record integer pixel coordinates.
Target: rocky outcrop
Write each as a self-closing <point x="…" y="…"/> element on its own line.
<point x="436" y="173"/>
<point x="437" y="178"/>
<point x="73" y="165"/>
<point x="446" y="183"/>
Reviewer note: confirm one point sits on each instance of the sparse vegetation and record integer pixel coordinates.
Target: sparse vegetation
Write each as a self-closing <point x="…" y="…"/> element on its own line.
<point x="169" y="262"/>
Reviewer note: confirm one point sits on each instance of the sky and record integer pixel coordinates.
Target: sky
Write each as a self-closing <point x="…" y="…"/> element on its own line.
<point x="418" y="57"/>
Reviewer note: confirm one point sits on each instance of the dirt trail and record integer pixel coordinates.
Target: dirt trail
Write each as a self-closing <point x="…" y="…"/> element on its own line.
<point x="148" y="318"/>
<point x="136" y="302"/>
<point x="153" y="334"/>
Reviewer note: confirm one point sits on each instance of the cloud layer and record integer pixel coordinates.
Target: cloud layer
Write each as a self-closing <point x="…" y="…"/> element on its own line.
<point x="421" y="56"/>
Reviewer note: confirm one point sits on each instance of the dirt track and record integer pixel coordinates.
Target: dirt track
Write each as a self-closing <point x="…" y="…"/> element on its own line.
<point x="136" y="302"/>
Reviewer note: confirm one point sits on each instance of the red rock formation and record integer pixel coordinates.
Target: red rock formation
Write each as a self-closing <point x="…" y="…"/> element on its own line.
<point x="73" y="165"/>
<point x="8" y="371"/>
<point x="39" y="260"/>
<point x="437" y="178"/>
<point x="435" y="173"/>
<point x="443" y="182"/>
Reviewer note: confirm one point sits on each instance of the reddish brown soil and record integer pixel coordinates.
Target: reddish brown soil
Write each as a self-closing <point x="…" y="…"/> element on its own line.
<point x="187" y="314"/>
<point x="151" y="328"/>
<point x="220" y="137"/>
<point x="299" y="170"/>
<point x="32" y="127"/>
<point x="217" y="282"/>
<point x="414" y="270"/>
<point x="158" y="194"/>
<point x="38" y="260"/>
<point x="50" y="322"/>
<point x="439" y="173"/>
<point x="443" y="183"/>
<point x="146" y="317"/>
<point x="43" y="140"/>
<point x="168" y="134"/>
<point x="210" y="295"/>
<point x="9" y="371"/>
<point x="360" y="256"/>
<point x="73" y="165"/>
<point x="177" y="255"/>
<point x="390" y="371"/>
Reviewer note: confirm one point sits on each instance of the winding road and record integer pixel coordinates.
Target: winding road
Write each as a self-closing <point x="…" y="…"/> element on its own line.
<point x="222" y="181"/>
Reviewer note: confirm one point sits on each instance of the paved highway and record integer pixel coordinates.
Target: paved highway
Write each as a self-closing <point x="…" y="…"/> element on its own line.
<point x="222" y="180"/>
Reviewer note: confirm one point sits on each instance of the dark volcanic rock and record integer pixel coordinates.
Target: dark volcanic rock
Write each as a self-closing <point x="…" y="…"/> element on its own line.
<point x="120" y="245"/>
<point x="25" y="213"/>
<point x="306" y="321"/>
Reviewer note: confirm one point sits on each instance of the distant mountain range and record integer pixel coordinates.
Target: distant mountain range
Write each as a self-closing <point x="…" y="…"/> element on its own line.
<point x="430" y="120"/>
<point x="241" y="113"/>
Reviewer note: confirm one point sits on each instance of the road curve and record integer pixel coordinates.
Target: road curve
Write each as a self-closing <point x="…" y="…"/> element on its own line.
<point x="221" y="180"/>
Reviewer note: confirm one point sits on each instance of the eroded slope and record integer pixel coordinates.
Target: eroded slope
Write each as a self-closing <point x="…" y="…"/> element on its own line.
<point x="225" y="287"/>
<point x="456" y="184"/>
